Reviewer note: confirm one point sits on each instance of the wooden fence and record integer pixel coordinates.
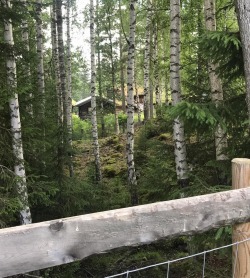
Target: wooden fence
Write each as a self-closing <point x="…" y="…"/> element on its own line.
<point x="46" y="244"/>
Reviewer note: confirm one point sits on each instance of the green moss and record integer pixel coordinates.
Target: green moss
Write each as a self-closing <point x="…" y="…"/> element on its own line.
<point x="164" y="137"/>
<point x="109" y="171"/>
<point x="119" y="147"/>
<point x="112" y="140"/>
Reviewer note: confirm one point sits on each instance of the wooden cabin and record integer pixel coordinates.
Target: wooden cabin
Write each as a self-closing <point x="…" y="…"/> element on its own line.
<point x="84" y="106"/>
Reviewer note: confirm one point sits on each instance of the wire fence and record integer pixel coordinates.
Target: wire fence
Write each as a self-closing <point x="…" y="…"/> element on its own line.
<point x="168" y="263"/>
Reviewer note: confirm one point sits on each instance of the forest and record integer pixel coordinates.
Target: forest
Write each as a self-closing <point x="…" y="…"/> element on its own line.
<point x="168" y="88"/>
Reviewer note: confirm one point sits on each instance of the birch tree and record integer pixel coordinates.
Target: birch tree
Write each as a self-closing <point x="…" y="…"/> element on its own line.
<point x="19" y="167"/>
<point x="215" y="82"/>
<point x="93" y="95"/>
<point x="243" y="14"/>
<point x="175" y="86"/>
<point x="40" y="66"/>
<point x="130" y="103"/>
<point x="147" y="62"/>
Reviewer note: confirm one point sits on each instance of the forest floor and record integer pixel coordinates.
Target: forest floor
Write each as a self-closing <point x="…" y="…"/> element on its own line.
<point x="113" y="160"/>
<point x="112" y="153"/>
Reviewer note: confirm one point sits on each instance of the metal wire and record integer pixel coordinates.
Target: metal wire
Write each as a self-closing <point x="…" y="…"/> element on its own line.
<point x="180" y="259"/>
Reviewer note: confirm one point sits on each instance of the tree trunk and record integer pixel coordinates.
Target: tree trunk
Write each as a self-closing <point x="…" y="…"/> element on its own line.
<point x="25" y="40"/>
<point x="19" y="169"/>
<point x="215" y="83"/>
<point x="66" y="99"/>
<point x="69" y="89"/>
<point x="99" y="71"/>
<point x="132" y="182"/>
<point x="54" y="40"/>
<point x="122" y="73"/>
<point x="93" y="96"/>
<point x="178" y="126"/>
<point x="151" y="78"/>
<point x="61" y="58"/>
<point x="40" y="67"/>
<point x="243" y="14"/>
<point x="138" y="105"/>
<point x="56" y="63"/>
<point x="156" y="69"/>
<point x="147" y="62"/>
<point x="117" y="129"/>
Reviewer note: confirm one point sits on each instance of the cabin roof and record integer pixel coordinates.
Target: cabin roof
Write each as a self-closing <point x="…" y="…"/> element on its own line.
<point x="88" y="99"/>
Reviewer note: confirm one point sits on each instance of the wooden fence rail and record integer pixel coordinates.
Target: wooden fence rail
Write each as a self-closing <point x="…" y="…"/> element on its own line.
<point x="51" y="243"/>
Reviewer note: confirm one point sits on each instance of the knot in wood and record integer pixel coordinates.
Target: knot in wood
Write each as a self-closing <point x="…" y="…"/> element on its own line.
<point x="56" y="226"/>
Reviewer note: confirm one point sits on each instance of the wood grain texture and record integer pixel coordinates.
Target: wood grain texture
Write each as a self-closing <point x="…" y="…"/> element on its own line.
<point x="241" y="253"/>
<point x="47" y="244"/>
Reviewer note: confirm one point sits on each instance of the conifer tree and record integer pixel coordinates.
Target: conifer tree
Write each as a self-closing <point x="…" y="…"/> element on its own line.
<point x="25" y="40"/>
<point x="108" y="30"/>
<point x="215" y="83"/>
<point x="69" y="87"/>
<point x="243" y="14"/>
<point x="55" y="57"/>
<point x="40" y="66"/>
<point x="66" y="99"/>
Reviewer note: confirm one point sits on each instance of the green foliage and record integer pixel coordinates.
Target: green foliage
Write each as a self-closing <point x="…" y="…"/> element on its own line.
<point x="9" y="202"/>
<point x="197" y="117"/>
<point x="81" y="128"/>
<point x="224" y="49"/>
<point x="122" y="119"/>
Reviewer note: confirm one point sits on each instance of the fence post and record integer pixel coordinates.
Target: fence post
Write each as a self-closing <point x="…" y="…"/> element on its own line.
<point x="241" y="252"/>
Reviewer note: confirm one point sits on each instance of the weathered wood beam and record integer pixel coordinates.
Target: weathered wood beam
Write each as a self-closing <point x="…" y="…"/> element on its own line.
<point x="51" y="243"/>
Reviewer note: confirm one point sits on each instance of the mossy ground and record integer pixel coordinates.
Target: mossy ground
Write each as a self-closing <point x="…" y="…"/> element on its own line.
<point x="156" y="182"/>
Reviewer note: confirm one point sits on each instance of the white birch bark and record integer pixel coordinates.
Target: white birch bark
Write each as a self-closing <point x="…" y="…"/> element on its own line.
<point x="25" y="39"/>
<point x="175" y="86"/>
<point x="40" y="66"/>
<point x="93" y="95"/>
<point x="215" y="83"/>
<point x="243" y="14"/>
<point x="19" y="168"/>
<point x="69" y="89"/>
<point x="147" y="62"/>
<point x="132" y="182"/>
